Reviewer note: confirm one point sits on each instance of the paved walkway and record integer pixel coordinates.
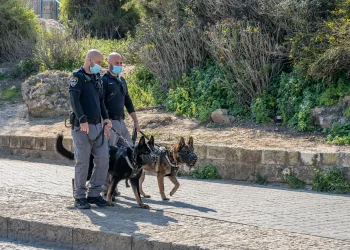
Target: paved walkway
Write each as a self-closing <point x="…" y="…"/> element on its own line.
<point x="253" y="212"/>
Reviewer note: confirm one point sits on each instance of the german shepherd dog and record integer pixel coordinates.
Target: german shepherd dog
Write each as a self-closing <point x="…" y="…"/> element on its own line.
<point x="168" y="163"/>
<point x="123" y="163"/>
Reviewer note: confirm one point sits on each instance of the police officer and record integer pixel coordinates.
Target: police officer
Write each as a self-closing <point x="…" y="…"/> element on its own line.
<point x="116" y="97"/>
<point x="86" y="96"/>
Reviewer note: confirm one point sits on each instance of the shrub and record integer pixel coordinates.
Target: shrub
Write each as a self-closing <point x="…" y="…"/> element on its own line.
<point x="17" y="30"/>
<point x="141" y="87"/>
<point x="259" y="179"/>
<point x="331" y="181"/>
<point x="202" y="91"/>
<point x="293" y="181"/>
<point x="263" y="108"/>
<point x="107" y="19"/>
<point x="206" y="172"/>
<point x="339" y="134"/>
<point x="334" y="93"/>
<point x="11" y="94"/>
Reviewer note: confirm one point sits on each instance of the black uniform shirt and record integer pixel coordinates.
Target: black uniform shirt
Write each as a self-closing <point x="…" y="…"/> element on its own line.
<point x="86" y="95"/>
<point x="116" y="95"/>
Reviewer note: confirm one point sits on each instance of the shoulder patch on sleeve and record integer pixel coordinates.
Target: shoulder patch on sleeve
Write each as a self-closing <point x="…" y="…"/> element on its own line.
<point x="73" y="81"/>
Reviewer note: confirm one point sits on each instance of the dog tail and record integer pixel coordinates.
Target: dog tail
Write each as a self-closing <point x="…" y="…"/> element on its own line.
<point x="61" y="149"/>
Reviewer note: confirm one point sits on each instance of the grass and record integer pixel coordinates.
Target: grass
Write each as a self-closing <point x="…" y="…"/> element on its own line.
<point x="294" y="182"/>
<point x="11" y="94"/>
<point x="259" y="179"/>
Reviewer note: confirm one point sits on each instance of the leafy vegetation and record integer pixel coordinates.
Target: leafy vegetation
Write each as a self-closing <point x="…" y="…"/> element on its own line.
<point x="294" y="182"/>
<point x="260" y="179"/>
<point x="206" y="172"/>
<point x="331" y="181"/>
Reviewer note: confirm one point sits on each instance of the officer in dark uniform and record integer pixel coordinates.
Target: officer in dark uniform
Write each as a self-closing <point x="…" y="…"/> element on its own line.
<point x="86" y="96"/>
<point x="116" y="97"/>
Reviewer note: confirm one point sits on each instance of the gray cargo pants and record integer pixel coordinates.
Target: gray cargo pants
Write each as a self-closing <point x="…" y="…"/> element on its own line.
<point x="82" y="150"/>
<point x="115" y="140"/>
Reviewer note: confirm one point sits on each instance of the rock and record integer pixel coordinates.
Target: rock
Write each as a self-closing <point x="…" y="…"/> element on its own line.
<point x="46" y="94"/>
<point x="325" y="117"/>
<point x="22" y="111"/>
<point x="346" y="101"/>
<point x="221" y="116"/>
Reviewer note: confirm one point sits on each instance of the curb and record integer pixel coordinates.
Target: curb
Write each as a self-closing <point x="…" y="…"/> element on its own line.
<point x="77" y="238"/>
<point x="232" y="163"/>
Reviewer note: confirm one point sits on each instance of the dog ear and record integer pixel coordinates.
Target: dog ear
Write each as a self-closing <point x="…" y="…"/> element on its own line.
<point x="142" y="141"/>
<point x="190" y="142"/>
<point x="151" y="141"/>
<point x="181" y="142"/>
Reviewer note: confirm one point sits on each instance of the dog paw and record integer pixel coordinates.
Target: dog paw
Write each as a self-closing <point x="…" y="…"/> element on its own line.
<point x="146" y="196"/>
<point x="144" y="206"/>
<point x="172" y="193"/>
<point x="165" y="199"/>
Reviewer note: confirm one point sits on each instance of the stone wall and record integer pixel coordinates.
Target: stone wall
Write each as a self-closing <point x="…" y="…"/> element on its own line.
<point x="232" y="163"/>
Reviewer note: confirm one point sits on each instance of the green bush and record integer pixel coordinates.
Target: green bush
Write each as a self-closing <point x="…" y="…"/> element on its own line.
<point x="334" y="93"/>
<point x="206" y="172"/>
<point x="202" y="91"/>
<point x="331" y="181"/>
<point x="141" y="87"/>
<point x="108" y="19"/>
<point x="263" y="108"/>
<point x="17" y="30"/>
<point x="11" y="94"/>
<point x="346" y="112"/>
<point x="339" y="134"/>
<point x="259" y="179"/>
<point x="294" y="182"/>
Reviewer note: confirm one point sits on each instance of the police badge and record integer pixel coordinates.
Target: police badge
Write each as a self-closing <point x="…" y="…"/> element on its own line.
<point x="73" y="81"/>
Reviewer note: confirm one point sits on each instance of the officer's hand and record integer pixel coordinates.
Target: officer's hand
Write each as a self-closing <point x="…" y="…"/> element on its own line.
<point x="109" y="123"/>
<point x="137" y="126"/>
<point x="84" y="127"/>
<point x="107" y="132"/>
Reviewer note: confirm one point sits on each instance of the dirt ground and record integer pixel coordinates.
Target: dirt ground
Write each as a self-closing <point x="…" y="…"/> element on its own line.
<point x="168" y="127"/>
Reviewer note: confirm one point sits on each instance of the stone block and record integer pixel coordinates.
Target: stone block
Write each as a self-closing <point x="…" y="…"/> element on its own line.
<point x="15" y="141"/>
<point x="3" y="227"/>
<point x="329" y="159"/>
<point x="18" y="230"/>
<point x="5" y="140"/>
<point x="28" y="142"/>
<point x="344" y="160"/>
<point x="305" y="173"/>
<point x="40" y="143"/>
<point x="51" y="155"/>
<point x="292" y="158"/>
<point x="56" y="236"/>
<point x="233" y="154"/>
<point x="216" y="152"/>
<point x="273" y="173"/>
<point x="21" y="152"/>
<point x="86" y="239"/>
<point x="242" y="172"/>
<point x="225" y="170"/>
<point x="271" y="157"/>
<point x="200" y="151"/>
<point x="67" y="143"/>
<point x="144" y="244"/>
<point x="6" y="150"/>
<point x="51" y="144"/>
<point x="250" y="156"/>
<point x="177" y="246"/>
<point x="310" y="158"/>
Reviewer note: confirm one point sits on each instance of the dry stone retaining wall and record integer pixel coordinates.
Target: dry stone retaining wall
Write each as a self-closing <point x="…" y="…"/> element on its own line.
<point x="232" y="163"/>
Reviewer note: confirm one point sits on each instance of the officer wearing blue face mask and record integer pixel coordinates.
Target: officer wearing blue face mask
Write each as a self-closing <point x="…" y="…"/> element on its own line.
<point x="86" y="96"/>
<point x="116" y="97"/>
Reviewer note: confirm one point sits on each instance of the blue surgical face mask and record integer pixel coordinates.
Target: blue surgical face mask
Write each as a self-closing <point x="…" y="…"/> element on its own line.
<point x="95" y="69"/>
<point x="117" y="70"/>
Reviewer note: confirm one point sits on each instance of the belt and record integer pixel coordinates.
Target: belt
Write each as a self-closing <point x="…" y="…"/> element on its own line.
<point x="94" y="120"/>
<point x="117" y="117"/>
<point x="89" y="120"/>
